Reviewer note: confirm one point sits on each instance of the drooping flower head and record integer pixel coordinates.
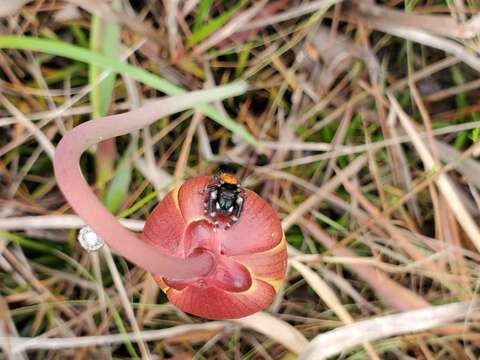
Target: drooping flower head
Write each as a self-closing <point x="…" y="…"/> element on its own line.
<point x="250" y="257"/>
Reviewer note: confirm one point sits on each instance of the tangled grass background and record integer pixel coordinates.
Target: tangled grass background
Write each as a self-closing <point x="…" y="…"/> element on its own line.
<point x="360" y="127"/>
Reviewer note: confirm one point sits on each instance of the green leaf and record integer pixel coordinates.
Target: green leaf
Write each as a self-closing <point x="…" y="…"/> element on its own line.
<point x="60" y="48"/>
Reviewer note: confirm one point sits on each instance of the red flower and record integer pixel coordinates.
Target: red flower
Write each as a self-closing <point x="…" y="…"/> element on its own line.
<point x="251" y="257"/>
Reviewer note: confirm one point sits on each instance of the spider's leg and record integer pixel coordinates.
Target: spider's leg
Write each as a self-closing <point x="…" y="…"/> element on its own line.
<point x="240" y="203"/>
<point x="237" y="212"/>
<point x="210" y="205"/>
<point x="210" y="198"/>
<point x="208" y="188"/>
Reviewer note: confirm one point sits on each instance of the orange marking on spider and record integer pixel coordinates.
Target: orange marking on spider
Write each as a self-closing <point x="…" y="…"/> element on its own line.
<point x="229" y="179"/>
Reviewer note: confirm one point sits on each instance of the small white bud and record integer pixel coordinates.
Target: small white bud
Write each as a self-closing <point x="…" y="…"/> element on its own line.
<point x="89" y="240"/>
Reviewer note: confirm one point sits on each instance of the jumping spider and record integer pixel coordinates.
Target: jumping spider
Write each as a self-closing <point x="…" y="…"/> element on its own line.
<point x="225" y="197"/>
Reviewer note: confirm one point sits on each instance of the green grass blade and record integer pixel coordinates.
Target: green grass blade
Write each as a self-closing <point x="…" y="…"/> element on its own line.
<point x="78" y="34"/>
<point x="207" y="29"/>
<point x="122" y="329"/>
<point x="118" y="188"/>
<point x="59" y="48"/>
<point x="26" y="243"/>
<point x="104" y="38"/>
<point x="202" y="13"/>
<point x="462" y="102"/>
<point x="138" y="205"/>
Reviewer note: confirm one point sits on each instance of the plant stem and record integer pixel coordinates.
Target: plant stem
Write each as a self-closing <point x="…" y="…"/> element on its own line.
<point x="88" y="206"/>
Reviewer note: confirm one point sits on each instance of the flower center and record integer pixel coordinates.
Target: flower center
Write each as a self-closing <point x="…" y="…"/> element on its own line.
<point x="228" y="274"/>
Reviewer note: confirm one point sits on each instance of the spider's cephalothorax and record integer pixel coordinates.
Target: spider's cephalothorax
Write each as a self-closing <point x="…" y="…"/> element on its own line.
<point x="224" y="197"/>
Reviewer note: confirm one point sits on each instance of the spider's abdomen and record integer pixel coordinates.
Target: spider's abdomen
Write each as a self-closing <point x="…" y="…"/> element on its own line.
<point x="226" y="200"/>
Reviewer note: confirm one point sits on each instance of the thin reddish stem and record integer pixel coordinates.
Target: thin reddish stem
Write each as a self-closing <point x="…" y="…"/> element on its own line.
<point x="86" y="204"/>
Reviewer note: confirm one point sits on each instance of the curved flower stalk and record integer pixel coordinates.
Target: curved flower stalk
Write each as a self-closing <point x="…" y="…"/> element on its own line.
<point x="251" y="256"/>
<point x="90" y="209"/>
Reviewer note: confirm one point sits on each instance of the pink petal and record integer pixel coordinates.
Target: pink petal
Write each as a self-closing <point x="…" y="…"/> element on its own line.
<point x="267" y="265"/>
<point x="213" y="303"/>
<point x="191" y="198"/>
<point x="230" y="276"/>
<point x="258" y="229"/>
<point x="165" y="227"/>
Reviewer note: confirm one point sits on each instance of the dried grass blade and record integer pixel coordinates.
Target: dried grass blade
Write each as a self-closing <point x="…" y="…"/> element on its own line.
<point x="349" y="336"/>
<point x="42" y="139"/>
<point x="314" y="199"/>
<point x="323" y="291"/>
<point x="425" y="38"/>
<point x="57" y="222"/>
<point x="10" y="7"/>
<point x="275" y="329"/>
<point x="387" y="290"/>
<point x="23" y="343"/>
<point x="127" y="307"/>
<point x="329" y="297"/>
<point x="443" y="181"/>
<point x="230" y="28"/>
